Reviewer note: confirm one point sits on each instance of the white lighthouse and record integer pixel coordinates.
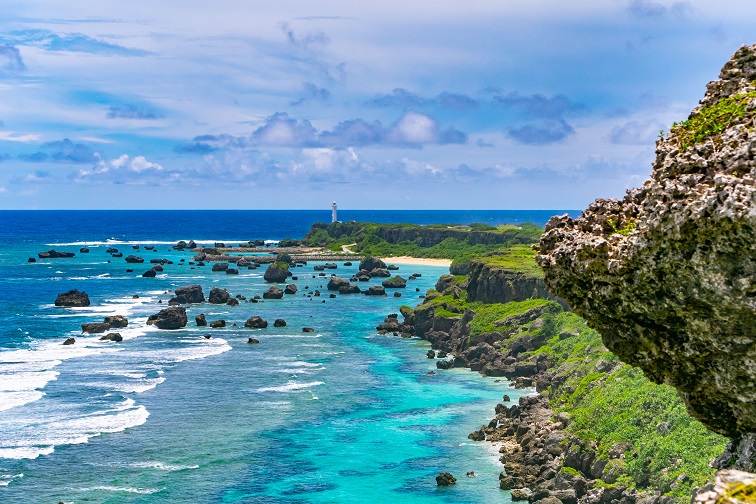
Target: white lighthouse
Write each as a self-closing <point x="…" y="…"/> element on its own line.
<point x="333" y="212"/>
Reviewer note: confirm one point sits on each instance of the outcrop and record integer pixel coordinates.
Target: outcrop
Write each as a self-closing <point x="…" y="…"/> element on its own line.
<point x="370" y="263"/>
<point x="277" y="272"/>
<point x="189" y="294"/>
<point x="273" y="293"/>
<point x="256" y="323"/>
<point x="218" y="296"/>
<point x="169" y="318"/>
<point x="72" y="298"/>
<point x="116" y="321"/>
<point x="668" y="273"/>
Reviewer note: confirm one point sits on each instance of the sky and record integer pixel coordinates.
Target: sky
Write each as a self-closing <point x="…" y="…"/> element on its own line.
<point x="290" y="104"/>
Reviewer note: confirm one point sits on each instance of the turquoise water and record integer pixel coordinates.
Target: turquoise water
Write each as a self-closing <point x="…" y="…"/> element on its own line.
<point x="339" y="415"/>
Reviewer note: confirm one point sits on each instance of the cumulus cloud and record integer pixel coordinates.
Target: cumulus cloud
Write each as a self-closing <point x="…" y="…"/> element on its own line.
<point x="540" y="119"/>
<point x="62" y="151"/>
<point x="36" y="177"/>
<point x="123" y="169"/>
<point x="72" y="42"/>
<point x="12" y="136"/>
<point x="401" y="98"/>
<point x="412" y="129"/>
<point x="12" y="57"/>
<point x="650" y="9"/>
<point x="636" y="133"/>
<point x="539" y="106"/>
<point x="133" y="111"/>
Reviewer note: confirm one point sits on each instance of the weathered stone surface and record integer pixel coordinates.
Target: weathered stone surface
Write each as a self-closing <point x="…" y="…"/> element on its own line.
<point x="375" y="290"/>
<point x="218" y="296"/>
<point x="256" y="323"/>
<point x="69" y="341"/>
<point x="445" y="479"/>
<point x="114" y="336"/>
<point x="273" y="293"/>
<point x="396" y="282"/>
<point x="217" y="324"/>
<point x="290" y="289"/>
<point x="170" y="318"/>
<point x="721" y="492"/>
<point x="668" y="274"/>
<point x="117" y="321"/>
<point x="335" y="283"/>
<point x="370" y="263"/>
<point x="94" y="327"/>
<point x="72" y="298"/>
<point x="279" y="322"/>
<point x="132" y="259"/>
<point x="189" y="294"/>
<point x="200" y="320"/>
<point x="277" y="272"/>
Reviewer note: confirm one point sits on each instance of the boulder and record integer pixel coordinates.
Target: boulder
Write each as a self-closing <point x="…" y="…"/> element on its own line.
<point x="200" y="320"/>
<point x="189" y="294"/>
<point x="308" y="330"/>
<point x="150" y="273"/>
<point x="253" y="341"/>
<point x="54" y="254"/>
<point x="218" y="296"/>
<point x="277" y="272"/>
<point x="370" y="263"/>
<point x="84" y="250"/>
<point x="445" y="479"/>
<point x="273" y="293"/>
<point x="396" y="282"/>
<point x="69" y="341"/>
<point x="191" y="245"/>
<point x="335" y="283"/>
<point x="221" y="266"/>
<point x="279" y="322"/>
<point x="169" y="318"/>
<point x="31" y="260"/>
<point x="114" y="336"/>
<point x="290" y="289"/>
<point x="158" y="267"/>
<point x="132" y="259"/>
<point x="72" y="298"/>
<point x="232" y="271"/>
<point x="256" y="323"/>
<point x="379" y="273"/>
<point x="232" y="302"/>
<point x="375" y="290"/>
<point x="363" y="276"/>
<point x="117" y="321"/>
<point x="216" y="324"/>
<point x="95" y="327"/>
<point x="392" y="267"/>
<point x="349" y="289"/>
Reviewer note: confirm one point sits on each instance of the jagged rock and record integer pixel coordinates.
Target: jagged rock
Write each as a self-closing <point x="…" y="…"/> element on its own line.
<point x="200" y="320"/>
<point x="114" y="336"/>
<point x="290" y="289"/>
<point x="169" y="318"/>
<point x="277" y="272"/>
<point x="363" y="276"/>
<point x="218" y="296"/>
<point x="253" y="341"/>
<point x="191" y="245"/>
<point x="72" y="298"/>
<point x="396" y="282"/>
<point x="232" y="271"/>
<point x="431" y="354"/>
<point x="150" y="273"/>
<point x="221" y="266"/>
<point x="445" y="479"/>
<point x="95" y="327"/>
<point x="273" y="293"/>
<point x="335" y="283"/>
<point x="349" y="289"/>
<point x="232" y="302"/>
<point x="392" y="267"/>
<point x="256" y="323"/>
<point x="521" y="493"/>
<point x="729" y="487"/>
<point x="157" y="267"/>
<point x="375" y="290"/>
<point x="370" y="263"/>
<point x="132" y="259"/>
<point x="379" y="273"/>
<point x="190" y="294"/>
<point x="666" y="275"/>
<point x="116" y="321"/>
<point x="69" y="341"/>
<point x="217" y="324"/>
<point x="279" y="322"/>
<point x="54" y="254"/>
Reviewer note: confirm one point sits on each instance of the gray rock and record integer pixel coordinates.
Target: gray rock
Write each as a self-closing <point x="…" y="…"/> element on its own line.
<point x="169" y="318"/>
<point x="218" y="296"/>
<point x="273" y="293"/>
<point x="72" y="298"/>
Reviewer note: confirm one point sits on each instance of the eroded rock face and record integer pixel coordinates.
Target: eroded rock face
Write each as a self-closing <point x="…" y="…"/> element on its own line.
<point x="667" y="274"/>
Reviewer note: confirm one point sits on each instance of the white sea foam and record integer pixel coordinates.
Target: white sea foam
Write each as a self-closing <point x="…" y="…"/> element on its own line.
<point x="23" y="438"/>
<point x="6" y="479"/>
<point x="142" y="491"/>
<point x="291" y="386"/>
<point x="112" y="241"/>
<point x="162" y="466"/>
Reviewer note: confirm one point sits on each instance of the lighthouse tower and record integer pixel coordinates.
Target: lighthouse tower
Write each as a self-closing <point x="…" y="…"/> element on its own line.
<point x="333" y="212"/>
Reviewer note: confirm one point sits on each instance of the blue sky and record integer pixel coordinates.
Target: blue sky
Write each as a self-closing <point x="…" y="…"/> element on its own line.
<point x="393" y="104"/>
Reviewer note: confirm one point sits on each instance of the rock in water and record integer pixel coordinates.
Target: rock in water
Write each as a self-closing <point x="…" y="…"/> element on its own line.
<point x="69" y="341"/>
<point x="277" y="272"/>
<point x="256" y="323"/>
<point x="370" y="263"/>
<point x="668" y="274"/>
<point x="72" y="298"/>
<point x="200" y="320"/>
<point x="117" y="321"/>
<point x="95" y="327"/>
<point x="170" y="318"/>
<point x="273" y="293"/>
<point x="396" y="282"/>
<point x="218" y="296"/>
<point x="114" y="336"/>
<point x="445" y="479"/>
<point x="189" y="294"/>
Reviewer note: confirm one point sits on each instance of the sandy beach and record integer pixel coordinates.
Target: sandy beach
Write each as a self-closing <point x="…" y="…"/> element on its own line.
<point x="416" y="260"/>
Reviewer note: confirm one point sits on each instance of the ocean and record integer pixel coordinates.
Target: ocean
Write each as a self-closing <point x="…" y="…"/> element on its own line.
<point x="341" y="414"/>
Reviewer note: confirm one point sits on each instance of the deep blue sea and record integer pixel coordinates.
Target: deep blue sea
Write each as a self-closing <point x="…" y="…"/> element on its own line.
<point x="338" y="415"/>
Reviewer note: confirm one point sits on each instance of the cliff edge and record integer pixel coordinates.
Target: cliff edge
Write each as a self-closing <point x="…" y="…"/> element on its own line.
<point x="666" y="275"/>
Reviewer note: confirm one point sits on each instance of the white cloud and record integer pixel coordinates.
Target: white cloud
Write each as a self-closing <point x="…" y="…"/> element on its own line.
<point x="414" y="128"/>
<point x="3" y="190"/>
<point x="11" y="136"/>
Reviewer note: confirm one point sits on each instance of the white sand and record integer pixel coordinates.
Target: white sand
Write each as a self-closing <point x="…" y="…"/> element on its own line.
<point x="416" y="260"/>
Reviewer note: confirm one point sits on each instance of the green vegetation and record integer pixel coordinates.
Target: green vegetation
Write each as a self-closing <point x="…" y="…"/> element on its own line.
<point x="438" y="240"/>
<point x="625" y="230"/>
<point x="517" y="258"/>
<point x="713" y="120"/>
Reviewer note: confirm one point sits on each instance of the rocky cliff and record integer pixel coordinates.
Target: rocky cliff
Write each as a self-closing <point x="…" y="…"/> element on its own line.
<point x="490" y="283"/>
<point x="667" y="274"/>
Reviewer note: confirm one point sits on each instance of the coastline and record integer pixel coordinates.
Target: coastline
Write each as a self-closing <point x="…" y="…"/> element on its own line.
<point x="420" y="261"/>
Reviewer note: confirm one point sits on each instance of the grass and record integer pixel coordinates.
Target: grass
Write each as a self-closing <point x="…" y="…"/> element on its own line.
<point x="517" y="258"/>
<point x="713" y="120"/>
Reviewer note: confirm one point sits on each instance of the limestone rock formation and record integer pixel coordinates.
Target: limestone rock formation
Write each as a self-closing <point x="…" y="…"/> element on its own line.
<point x="170" y="318"/>
<point x="72" y="298"/>
<point x="277" y="272"/>
<point x="668" y="274"/>
<point x="189" y="294"/>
